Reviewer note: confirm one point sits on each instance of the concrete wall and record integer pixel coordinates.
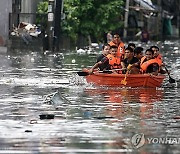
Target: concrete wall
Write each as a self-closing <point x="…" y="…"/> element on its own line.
<point x="5" y="9"/>
<point x="28" y="6"/>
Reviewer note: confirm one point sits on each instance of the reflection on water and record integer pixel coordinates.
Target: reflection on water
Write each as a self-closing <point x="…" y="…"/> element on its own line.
<point x="86" y="119"/>
<point x="121" y="102"/>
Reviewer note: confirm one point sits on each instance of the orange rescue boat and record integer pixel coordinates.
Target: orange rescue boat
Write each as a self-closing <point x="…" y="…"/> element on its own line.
<point x="124" y="80"/>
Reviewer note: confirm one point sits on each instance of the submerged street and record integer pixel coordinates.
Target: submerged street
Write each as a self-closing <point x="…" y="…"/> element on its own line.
<point x="85" y="118"/>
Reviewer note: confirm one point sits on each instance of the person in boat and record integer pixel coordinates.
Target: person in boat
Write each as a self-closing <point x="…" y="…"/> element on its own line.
<point x="111" y="61"/>
<point x="120" y="45"/>
<point x="149" y="64"/>
<point x="130" y="63"/>
<point x="159" y="58"/>
<point x="131" y="45"/>
<point x="138" y="53"/>
<point x="105" y="52"/>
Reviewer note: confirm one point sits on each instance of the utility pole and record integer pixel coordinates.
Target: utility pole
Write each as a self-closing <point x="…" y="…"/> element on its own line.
<point x="57" y="24"/>
<point x="159" y="22"/>
<point x="178" y="18"/>
<point x="16" y="9"/>
<point x="126" y="19"/>
<point x="51" y="24"/>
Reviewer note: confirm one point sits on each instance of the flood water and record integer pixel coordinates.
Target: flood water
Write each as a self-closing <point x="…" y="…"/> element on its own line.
<point x="84" y="118"/>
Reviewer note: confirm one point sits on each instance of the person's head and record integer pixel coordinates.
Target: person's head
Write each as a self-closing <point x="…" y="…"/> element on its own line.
<point x="105" y="49"/>
<point x="129" y="53"/>
<point x="156" y="50"/>
<point x="149" y="54"/>
<point x="113" y="50"/>
<point x="138" y="52"/>
<point x="132" y="45"/>
<point x="116" y="38"/>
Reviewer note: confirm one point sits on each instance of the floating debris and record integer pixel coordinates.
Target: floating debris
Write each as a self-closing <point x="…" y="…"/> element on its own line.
<point x="46" y="116"/>
<point x="55" y="99"/>
<point x="33" y="122"/>
<point x="28" y="131"/>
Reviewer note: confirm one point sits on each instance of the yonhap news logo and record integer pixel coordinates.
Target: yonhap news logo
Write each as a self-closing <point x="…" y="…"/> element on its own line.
<point x="138" y="140"/>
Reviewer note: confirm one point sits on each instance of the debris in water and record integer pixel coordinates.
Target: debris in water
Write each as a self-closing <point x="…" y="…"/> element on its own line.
<point x="46" y="116"/>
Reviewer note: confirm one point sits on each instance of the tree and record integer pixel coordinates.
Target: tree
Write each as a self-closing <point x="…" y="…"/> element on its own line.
<point x="89" y="17"/>
<point x="42" y="11"/>
<point x="92" y="17"/>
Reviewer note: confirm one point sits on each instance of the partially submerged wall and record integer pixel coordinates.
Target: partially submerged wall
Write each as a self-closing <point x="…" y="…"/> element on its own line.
<point x="5" y="9"/>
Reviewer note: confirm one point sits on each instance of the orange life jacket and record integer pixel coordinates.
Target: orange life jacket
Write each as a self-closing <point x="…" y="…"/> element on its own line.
<point x="121" y="49"/>
<point x="159" y="59"/>
<point x="144" y="65"/>
<point x="142" y="60"/>
<point x="114" y="62"/>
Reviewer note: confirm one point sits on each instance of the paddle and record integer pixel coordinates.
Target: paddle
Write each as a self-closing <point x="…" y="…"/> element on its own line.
<point x="105" y="71"/>
<point x="87" y="73"/>
<point x="83" y="73"/>
<point x="171" y="80"/>
<point x="124" y="82"/>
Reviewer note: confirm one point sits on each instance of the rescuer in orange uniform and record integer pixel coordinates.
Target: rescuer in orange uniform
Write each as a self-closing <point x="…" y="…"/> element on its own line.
<point x="149" y="64"/>
<point x="120" y="45"/>
<point x="159" y="58"/>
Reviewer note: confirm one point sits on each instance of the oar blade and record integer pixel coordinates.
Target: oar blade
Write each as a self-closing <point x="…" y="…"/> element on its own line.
<point x="83" y="73"/>
<point x="171" y="80"/>
<point x="124" y="82"/>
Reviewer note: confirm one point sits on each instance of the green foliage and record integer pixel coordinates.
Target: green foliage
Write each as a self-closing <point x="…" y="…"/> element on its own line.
<point x="89" y="17"/>
<point x="41" y="18"/>
<point x="92" y="17"/>
<point x="42" y="7"/>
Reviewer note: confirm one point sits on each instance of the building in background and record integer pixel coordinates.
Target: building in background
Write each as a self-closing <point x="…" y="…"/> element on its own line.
<point x="10" y="15"/>
<point x="160" y="18"/>
<point x="30" y="7"/>
<point x="5" y="9"/>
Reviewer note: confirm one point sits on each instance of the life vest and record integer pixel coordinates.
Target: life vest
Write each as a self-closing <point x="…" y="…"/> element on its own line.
<point x="114" y="62"/>
<point x="121" y="49"/>
<point x="159" y="59"/>
<point x="144" y="65"/>
<point x="142" y="60"/>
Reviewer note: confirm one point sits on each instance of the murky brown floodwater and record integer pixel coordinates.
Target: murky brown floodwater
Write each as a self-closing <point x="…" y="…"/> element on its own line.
<point x="86" y="119"/>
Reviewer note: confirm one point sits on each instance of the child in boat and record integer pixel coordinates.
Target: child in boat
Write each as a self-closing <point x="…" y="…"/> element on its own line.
<point x="130" y="63"/>
<point x="111" y="61"/>
<point x="158" y="57"/>
<point x="149" y="64"/>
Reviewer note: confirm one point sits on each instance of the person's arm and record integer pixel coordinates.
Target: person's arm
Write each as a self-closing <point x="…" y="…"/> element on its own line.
<point x="137" y="64"/>
<point x="94" y="67"/>
<point x="123" y="65"/>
